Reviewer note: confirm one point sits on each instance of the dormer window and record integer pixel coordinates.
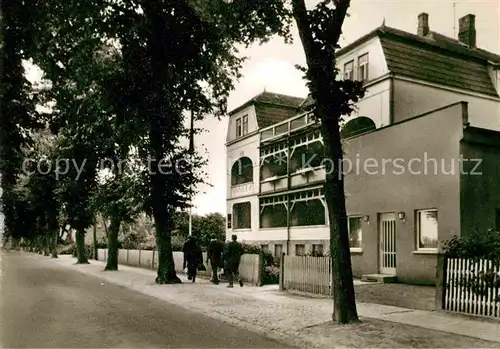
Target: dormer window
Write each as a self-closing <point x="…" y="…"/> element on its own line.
<point x="242" y="126"/>
<point x="348" y="70"/>
<point x="363" y="67"/>
<point x="238" y="127"/>
<point x="245" y="124"/>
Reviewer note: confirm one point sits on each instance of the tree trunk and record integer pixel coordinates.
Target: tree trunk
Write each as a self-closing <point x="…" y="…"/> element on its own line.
<point x="46" y="244"/>
<point x="39" y="244"/>
<point x="328" y="103"/>
<point x="53" y="250"/>
<point x="96" y="255"/>
<point x="105" y="221"/>
<point x="342" y="281"/>
<point x="112" y="261"/>
<point x="166" y="267"/>
<point x="81" y="253"/>
<point x="162" y="215"/>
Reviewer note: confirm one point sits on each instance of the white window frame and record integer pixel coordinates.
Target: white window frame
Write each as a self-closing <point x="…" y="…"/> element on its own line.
<point x="363" y="68"/>
<point x="243" y="130"/>
<point x="360" y="248"/>
<point x="417" y="230"/>
<point x="239" y="127"/>
<point x="349" y="72"/>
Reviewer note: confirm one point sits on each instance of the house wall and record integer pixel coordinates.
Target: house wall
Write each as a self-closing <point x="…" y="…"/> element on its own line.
<point x="376" y="103"/>
<point x="411" y="98"/>
<point x="244" y="234"/>
<point x="246" y="147"/>
<point x="376" y="58"/>
<point x="372" y="190"/>
<point x="480" y="184"/>
<point x="252" y="122"/>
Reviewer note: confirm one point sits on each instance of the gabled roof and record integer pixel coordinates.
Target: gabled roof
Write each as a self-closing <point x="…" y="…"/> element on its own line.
<point x="434" y="58"/>
<point x="272" y="108"/>
<point x="433" y="40"/>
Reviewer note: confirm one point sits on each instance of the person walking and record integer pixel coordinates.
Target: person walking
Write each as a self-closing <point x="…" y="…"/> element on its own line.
<point x="193" y="257"/>
<point x="214" y="255"/>
<point x="234" y="251"/>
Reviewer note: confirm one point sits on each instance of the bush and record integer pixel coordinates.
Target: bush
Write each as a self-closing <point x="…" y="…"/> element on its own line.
<point x="475" y="245"/>
<point x="271" y="270"/>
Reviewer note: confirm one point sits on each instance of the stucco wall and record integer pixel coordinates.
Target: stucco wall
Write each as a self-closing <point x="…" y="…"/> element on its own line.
<point x="376" y="58"/>
<point x="372" y="190"/>
<point x="411" y="99"/>
<point x="376" y="102"/>
<point x="252" y="122"/>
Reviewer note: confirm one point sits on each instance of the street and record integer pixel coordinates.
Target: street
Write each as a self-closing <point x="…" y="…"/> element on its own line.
<point x="45" y="306"/>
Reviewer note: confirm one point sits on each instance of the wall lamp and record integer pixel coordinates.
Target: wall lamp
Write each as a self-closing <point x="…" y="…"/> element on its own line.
<point x="366" y="218"/>
<point x="402" y="216"/>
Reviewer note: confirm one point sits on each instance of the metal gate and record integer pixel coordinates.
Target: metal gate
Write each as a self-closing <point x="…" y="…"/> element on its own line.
<point x="387" y="242"/>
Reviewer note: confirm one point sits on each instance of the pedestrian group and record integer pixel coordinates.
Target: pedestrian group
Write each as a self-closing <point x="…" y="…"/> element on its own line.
<point x="223" y="259"/>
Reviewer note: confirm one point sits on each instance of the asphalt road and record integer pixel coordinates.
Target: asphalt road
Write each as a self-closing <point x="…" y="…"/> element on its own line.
<point x="45" y="306"/>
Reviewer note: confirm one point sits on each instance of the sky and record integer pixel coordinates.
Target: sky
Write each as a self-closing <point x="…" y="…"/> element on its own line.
<point x="271" y="67"/>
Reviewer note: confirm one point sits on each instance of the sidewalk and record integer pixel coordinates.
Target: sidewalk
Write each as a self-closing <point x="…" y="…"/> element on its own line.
<point x="301" y="320"/>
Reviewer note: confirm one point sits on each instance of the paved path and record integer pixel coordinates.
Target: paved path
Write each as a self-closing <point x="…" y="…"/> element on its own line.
<point x="46" y="306"/>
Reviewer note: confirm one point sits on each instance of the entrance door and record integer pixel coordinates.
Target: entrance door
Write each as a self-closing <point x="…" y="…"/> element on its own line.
<point x="387" y="243"/>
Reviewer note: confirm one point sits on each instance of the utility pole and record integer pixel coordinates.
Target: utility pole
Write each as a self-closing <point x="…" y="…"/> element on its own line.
<point x="191" y="153"/>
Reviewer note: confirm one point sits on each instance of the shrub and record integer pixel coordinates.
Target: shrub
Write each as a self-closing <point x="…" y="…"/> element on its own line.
<point x="475" y="245"/>
<point x="271" y="271"/>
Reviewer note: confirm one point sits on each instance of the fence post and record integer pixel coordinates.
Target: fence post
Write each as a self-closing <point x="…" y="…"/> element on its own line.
<point x="442" y="263"/>
<point x="139" y="261"/>
<point x="127" y="257"/>
<point x="282" y="271"/>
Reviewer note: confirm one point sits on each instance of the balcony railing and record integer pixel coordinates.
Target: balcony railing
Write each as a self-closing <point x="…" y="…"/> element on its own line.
<point x="242" y="189"/>
<point x="286" y="127"/>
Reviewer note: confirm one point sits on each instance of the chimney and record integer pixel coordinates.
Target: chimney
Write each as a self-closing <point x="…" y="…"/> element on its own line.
<point x="467" y="30"/>
<point x="423" y="24"/>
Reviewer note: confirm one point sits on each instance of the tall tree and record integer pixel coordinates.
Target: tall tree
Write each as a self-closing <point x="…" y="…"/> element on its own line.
<point x="188" y="63"/>
<point x="320" y="30"/>
<point x="17" y="102"/>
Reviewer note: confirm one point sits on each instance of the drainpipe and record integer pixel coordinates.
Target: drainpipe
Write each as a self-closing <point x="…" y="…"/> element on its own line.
<point x="391" y="100"/>
<point x="289" y="185"/>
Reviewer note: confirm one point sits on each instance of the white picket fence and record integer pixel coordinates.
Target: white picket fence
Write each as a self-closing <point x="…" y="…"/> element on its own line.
<point x="306" y="274"/>
<point x="250" y="265"/>
<point x="472" y="287"/>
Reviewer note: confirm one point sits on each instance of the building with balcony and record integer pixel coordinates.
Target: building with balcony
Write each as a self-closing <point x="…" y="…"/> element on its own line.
<point x="422" y="156"/>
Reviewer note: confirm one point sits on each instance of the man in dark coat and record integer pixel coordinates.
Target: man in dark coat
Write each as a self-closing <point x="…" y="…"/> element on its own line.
<point x="214" y="255"/>
<point x="193" y="257"/>
<point x="232" y="256"/>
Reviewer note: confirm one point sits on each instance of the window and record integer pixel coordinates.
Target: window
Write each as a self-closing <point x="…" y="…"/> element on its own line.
<point x="300" y="250"/>
<point x="245" y="125"/>
<point x="355" y="232"/>
<point x="229" y="221"/>
<point x="264" y="248"/>
<point x="242" y="215"/>
<point x="427" y="229"/>
<point x="317" y="250"/>
<point x="238" y="128"/>
<point x="363" y="67"/>
<point x="278" y="250"/>
<point x="348" y="70"/>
